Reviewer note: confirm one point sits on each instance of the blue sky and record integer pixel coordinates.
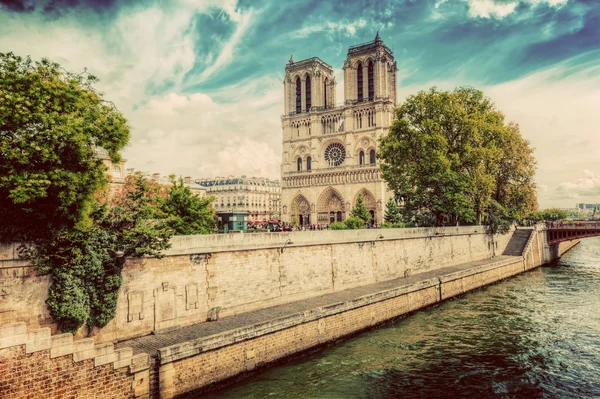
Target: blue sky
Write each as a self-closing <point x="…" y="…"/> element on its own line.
<point x="201" y="80"/>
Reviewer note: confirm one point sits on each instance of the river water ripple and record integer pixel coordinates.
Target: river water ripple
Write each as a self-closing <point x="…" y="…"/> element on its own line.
<point x="536" y="335"/>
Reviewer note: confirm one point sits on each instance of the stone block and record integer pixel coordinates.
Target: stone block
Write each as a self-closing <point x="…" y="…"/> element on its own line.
<point x="105" y="359"/>
<point x="139" y="363"/>
<point x="61" y="345"/>
<point x="123" y="357"/>
<point x="13" y="334"/>
<point x="83" y="349"/>
<point x="38" y="340"/>
<point x="141" y="383"/>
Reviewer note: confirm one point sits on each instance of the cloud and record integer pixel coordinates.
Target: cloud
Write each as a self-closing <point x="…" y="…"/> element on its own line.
<point x="501" y="8"/>
<point x="586" y="187"/>
<point x="491" y="8"/>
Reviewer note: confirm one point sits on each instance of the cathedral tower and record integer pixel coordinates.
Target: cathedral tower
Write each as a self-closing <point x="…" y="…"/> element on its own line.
<point x="329" y="148"/>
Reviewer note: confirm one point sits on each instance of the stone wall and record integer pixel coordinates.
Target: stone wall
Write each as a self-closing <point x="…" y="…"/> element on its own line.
<point x="36" y="364"/>
<point x="199" y="364"/>
<point x="244" y="272"/>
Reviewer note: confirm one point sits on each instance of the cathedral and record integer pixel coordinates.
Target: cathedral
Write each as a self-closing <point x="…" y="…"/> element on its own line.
<point x="329" y="149"/>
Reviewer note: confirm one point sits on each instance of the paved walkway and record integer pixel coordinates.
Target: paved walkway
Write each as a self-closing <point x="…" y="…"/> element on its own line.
<point x="151" y="343"/>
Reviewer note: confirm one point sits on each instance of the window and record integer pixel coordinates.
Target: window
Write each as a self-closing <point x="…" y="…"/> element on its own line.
<point x="372" y="156"/>
<point x="308" y="163"/>
<point x="335" y="154"/>
<point x="308" y="93"/>
<point x="361" y="158"/>
<point x="359" y="81"/>
<point x="298" y="96"/>
<point x="325" y="93"/>
<point x="371" y="82"/>
<point x="299" y="164"/>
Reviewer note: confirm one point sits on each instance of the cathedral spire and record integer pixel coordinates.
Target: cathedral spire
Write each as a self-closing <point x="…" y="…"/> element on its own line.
<point x="291" y="61"/>
<point x="377" y="38"/>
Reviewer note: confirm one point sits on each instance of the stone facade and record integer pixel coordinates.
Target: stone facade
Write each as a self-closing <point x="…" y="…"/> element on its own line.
<point x="255" y="195"/>
<point x="329" y="150"/>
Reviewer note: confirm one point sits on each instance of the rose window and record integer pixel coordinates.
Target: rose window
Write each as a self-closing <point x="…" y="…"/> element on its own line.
<point x="335" y="154"/>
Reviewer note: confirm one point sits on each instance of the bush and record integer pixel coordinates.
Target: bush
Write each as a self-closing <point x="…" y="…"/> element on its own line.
<point x="397" y="225"/>
<point x="338" y="226"/>
<point x="354" y="223"/>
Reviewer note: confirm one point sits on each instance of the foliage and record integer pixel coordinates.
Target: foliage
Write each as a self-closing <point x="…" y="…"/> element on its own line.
<point x="338" y="226"/>
<point x="190" y="214"/>
<point x="497" y="219"/>
<point x="551" y="214"/>
<point x="51" y="123"/>
<point x="353" y="223"/>
<point x="392" y="213"/>
<point x="451" y="154"/>
<point x="389" y="225"/>
<point x="360" y="211"/>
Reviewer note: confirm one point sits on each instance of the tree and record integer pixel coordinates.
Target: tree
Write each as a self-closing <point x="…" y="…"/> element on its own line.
<point x="392" y="212"/>
<point x="497" y="221"/>
<point x="51" y="124"/>
<point x="190" y="214"/>
<point x="360" y="211"/>
<point x="450" y="154"/>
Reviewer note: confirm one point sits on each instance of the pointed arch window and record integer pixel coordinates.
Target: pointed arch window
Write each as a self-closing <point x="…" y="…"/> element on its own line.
<point x="308" y="93"/>
<point x="325" y="93"/>
<point x="359" y="81"/>
<point x="298" y="96"/>
<point x="372" y="156"/>
<point x="308" y="163"/>
<point x="371" y="81"/>
<point x="361" y="158"/>
<point x="299" y="164"/>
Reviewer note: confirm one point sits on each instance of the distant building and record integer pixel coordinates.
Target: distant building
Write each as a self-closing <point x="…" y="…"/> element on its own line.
<point x="256" y="195"/>
<point x="586" y="207"/>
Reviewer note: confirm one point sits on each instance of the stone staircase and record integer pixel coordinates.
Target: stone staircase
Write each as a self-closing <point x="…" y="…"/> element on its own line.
<point x="517" y="243"/>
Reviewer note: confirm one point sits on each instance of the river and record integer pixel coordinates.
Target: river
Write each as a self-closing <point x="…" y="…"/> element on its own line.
<point x="536" y="335"/>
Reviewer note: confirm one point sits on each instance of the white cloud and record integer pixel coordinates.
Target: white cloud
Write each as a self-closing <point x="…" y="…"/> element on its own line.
<point x="490" y="8"/>
<point x="586" y="187"/>
<point x="347" y="28"/>
<point x="226" y="55"/>
<point x="500" y="8"/>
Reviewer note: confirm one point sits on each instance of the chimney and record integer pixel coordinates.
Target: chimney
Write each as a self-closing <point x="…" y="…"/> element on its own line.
<point x="156" y="177"/>
<point x="187" y="179"/>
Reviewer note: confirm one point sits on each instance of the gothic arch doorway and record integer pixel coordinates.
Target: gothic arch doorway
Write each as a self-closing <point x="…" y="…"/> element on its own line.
<point x="300" y="210"/>
<point x="330" y="207"/>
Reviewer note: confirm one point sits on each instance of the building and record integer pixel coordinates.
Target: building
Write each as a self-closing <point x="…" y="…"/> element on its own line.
<point x="329" y="150"/>
<point x="256" y="195"/>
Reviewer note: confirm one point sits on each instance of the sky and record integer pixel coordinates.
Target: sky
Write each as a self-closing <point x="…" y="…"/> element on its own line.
<point x="200" y="81"/>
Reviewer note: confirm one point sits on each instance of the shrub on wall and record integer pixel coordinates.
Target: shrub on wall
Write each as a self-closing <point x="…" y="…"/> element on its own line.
<point x="353" y="223"/>
<point x="338" y="226"/>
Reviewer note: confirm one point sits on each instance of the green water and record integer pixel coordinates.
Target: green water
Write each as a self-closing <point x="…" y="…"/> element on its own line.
<point x="536" y="335"/>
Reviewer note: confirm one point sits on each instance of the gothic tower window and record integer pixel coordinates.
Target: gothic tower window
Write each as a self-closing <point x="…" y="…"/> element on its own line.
<point x="308" y="93"/>
<point x="325" y="93"/>
<point x="371" y="82"/>
<point x="372" y="156"/>
<point x="361" y="158"/>
<point x="359" y="81"/>
<point x="308" y="163"/>
<point x="299" y="164"/>
<point x="298" y="96"/>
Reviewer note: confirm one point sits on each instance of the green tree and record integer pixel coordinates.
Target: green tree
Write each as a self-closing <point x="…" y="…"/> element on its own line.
<point x="450" y="153"/>
<point x="190" y="214"/>
<point x="497" y="221"/>
<point x="360" y="211"/>
<point x="392" y="212"/>
<point x="51" y="124"/>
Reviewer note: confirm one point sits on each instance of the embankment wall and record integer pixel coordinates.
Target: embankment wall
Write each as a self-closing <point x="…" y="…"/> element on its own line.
<point x="243" y="272"/>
